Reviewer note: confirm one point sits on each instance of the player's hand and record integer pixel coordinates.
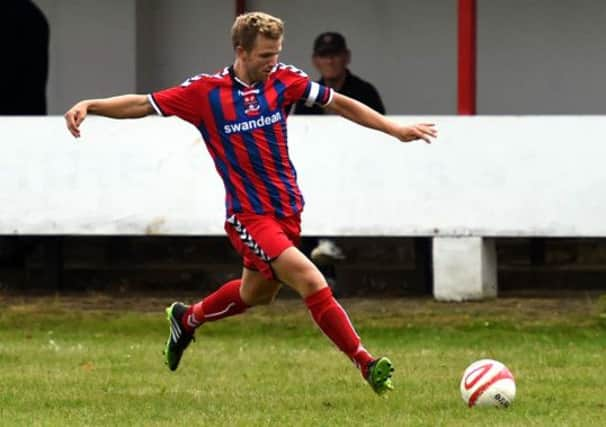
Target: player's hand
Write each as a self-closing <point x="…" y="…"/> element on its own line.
<point x="75" y="116"/>
<point x="424" y="131"/>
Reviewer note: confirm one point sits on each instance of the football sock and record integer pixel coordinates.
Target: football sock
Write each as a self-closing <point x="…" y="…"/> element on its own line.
<point x="224" y="302"/>
<point x="334" y="322"/>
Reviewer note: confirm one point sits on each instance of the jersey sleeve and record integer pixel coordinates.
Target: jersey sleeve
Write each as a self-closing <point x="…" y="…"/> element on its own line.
<point x="300" y="88"/>
<point x="183" y="101"/>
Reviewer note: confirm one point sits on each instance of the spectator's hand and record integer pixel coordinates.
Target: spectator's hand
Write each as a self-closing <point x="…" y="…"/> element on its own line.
<point x="424" y="131"/>
<point x="75" y="116"/>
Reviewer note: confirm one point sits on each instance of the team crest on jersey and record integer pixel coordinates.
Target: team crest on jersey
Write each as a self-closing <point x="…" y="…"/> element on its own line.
<point x="251" y="104"/>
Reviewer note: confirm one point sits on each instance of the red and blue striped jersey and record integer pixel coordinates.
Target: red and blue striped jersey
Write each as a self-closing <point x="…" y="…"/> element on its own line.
<point x="244" y="127"/>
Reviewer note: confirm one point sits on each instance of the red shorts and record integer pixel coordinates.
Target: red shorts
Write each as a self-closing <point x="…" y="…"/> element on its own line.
<point x="260" y="239"/>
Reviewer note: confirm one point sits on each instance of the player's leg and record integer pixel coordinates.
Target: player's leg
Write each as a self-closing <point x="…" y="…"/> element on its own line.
<point x="325" y="254"/>
<point x="295" y="270"/>
<point x="257" y="285"/>
<point x="184" y="319"/>
<point x="257" y="289"/>
<point x="234" y="297"/>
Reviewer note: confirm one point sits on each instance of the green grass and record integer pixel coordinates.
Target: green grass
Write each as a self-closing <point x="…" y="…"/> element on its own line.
<point x="64" y="363"/>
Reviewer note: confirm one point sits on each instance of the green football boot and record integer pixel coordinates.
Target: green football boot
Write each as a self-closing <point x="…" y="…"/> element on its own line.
<point x="379" y="375"/>
<point x="178" y="338"/>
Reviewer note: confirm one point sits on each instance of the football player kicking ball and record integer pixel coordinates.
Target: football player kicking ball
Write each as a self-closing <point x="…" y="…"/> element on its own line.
<point x="241" y="113"/>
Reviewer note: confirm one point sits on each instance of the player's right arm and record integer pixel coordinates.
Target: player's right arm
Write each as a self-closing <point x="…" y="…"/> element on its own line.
<point x="300" y="87"/>
<point x="117" y="107"/>
<point x="363" y="115"/>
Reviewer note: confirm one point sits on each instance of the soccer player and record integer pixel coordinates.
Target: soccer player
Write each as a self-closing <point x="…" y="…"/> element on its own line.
<point x="241" y="113"/>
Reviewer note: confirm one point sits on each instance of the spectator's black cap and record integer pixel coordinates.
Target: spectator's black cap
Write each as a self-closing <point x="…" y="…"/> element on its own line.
<point x="329" y="44"/>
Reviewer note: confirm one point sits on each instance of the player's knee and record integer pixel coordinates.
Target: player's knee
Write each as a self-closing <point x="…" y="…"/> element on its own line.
<point x="309" y="283"/>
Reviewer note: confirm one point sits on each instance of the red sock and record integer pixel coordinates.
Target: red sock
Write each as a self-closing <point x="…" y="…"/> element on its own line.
<point x="224" y="302"/>
<point x="334" y="322"/>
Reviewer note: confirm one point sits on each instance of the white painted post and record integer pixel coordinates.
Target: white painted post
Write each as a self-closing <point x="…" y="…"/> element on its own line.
<point x="464" y="268"/>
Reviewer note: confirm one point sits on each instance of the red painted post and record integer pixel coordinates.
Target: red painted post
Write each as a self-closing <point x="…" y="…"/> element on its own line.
<point x="240" y="7"/>
<point x="467" y="58"/>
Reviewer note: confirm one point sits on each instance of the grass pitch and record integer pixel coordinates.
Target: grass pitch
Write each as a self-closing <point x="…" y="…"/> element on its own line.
<point x="97" y="361"/>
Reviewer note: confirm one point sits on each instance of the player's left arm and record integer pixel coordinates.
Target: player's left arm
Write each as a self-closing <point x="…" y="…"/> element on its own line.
<point x="366" y="116"/>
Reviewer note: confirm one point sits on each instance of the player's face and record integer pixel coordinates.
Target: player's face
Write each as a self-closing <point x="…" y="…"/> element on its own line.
<point x="333" y="66"/>
<point x="262" y="57"/>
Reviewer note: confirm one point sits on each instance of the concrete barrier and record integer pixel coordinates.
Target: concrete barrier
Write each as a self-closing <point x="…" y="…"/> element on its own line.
<point x="484" y="177"/>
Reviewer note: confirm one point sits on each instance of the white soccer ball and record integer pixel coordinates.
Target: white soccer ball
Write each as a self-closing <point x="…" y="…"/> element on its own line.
<point x="487" y="382"/>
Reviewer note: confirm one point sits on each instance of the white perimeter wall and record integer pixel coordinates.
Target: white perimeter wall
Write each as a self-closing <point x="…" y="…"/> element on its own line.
<point x="485" y="176"/>
<point x="534" y="57"/>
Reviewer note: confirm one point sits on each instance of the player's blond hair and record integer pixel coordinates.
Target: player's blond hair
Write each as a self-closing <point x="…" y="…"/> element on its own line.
<point x="248" y="25"/>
